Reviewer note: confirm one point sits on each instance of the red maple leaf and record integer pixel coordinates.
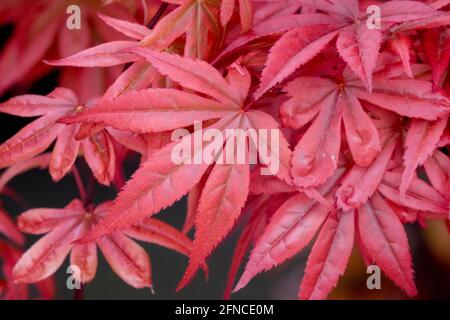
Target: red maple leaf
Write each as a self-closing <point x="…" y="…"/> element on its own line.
<point x="63" y="226"/>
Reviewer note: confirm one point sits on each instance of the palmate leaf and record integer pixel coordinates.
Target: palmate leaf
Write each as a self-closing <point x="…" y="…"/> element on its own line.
<point x="153" y="110"/>
<point x="197" y="20"/>
<point x="360" y="183"/>
<point x="160" y="182"/>
<point x="104" y="55"/>
<point x="316" y="154"/>
<point x="356" y="43"/>
<point x="300" y="218"/>
<point x="329" y="256"/>
<point x="220" y="204"/>
<point x="93" y="142"/>
<point x="385" y="242"/>
<point x="421" y="140"/>
<point x="32" y="140"/>
<point x="62" y="226"/>
<point x="245" y="13"/>
<point x="363" y="116"/>
<point x="380" y="236"/>
<point x="419" y="196"/>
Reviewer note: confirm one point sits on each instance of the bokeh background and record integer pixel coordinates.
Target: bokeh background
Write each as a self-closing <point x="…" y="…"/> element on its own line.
<point x="430" y="246"/>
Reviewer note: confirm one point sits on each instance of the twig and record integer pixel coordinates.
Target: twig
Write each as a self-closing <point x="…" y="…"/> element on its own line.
<point x="162" y="8"/>
<point x="79" y="183"/>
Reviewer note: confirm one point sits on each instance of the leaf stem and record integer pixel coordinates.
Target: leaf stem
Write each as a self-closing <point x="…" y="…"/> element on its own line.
<point x="162" y="8"/>
<point x="79" y="183"/>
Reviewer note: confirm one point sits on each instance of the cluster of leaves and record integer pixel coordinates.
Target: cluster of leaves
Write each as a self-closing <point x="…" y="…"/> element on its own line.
<point x="305" y="66"/>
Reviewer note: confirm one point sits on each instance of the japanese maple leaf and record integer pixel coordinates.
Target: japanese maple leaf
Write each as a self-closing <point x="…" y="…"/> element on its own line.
<point x="138" y="76"/>
<point x="370" y="214"/>
<point x="291" y="228"/>
<point x="375" y="194"/>
<point x="274" y="19"/>
<point x="261" y="208"/>
<point x="9" y="289"/>
<point x="436" y="43"/>
<point x="36" y="137"/>
<point x="357" y="44"/>
<point x="384" y="174"/>
<point x="141" y="74"/>
<point x="326" y="104"/>
<point x="437" y="168"/>
<point x="201" y="22"/>
<point x="160" y="182"/>
<point x="8" y="228"/>
<point x="198" y="20"/>
<point x="41" y="28"/>
<point x="361" y="183"/>
<point x="108" y="54"/>
<point x="63" y="226"/>
<point x="366" y="202"/>
<point x="245" y="13"/>
<point x="422" y="139"/>
<point x="42" y="161"/>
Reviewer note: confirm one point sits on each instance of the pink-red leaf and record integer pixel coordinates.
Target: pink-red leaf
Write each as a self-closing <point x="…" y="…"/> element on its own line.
<point x="31" y="140"/>
<point x="294" y="49"/>
<point x="127" y="259"/>
<point x="104" y="55"/>
<point x="220" y="204"/>
<point x="421" y="140"/>
<point x="329" y="256"/>
<point x="192" y="74"/>
<point x="359" y="47"/>
<point x="385" y="241"/>
<point x="8" y="228"/>
<point x="291" y="228"/>
<point x="153" y="110"/>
